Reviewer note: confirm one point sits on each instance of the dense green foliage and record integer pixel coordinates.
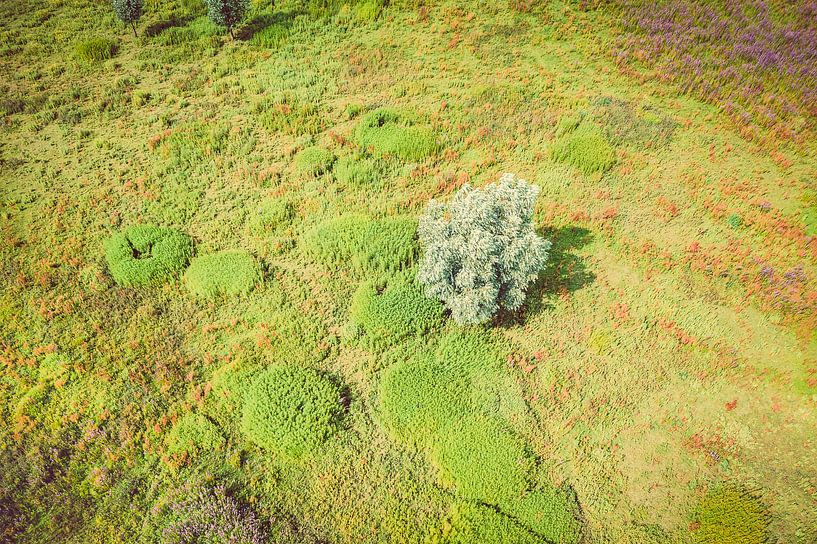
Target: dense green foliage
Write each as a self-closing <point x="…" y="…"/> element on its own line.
<point x="729" y="514"/>
<point x="472" y="522"/>
<point x="229" y="273"/>
<point x="395" y="310"/>
<point x="584" y="147"/>
<point x="145" y="254"/>
<point x="128" y="11"/>
<point x="314" y="161"/>
<point x="291" y="411"/>
<point x="193" y="434"/>
<point x="359" y="171"/>
<point x="388" y="133"/>
<point x="270" y="215"/>
<point x="480" y="251"/>
<point x="95" y="49"/>
<point x="384" y="245"/>
<point x="227" y="13"/>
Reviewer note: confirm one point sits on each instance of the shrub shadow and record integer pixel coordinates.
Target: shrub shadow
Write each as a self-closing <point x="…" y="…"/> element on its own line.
<point x="262" y="21"/>
<point x="564" y="273"/>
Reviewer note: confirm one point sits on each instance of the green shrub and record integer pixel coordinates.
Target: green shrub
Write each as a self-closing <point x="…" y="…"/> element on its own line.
<point x="387" y="133"/>
<point x="397" y="310"/>
<point x="228" y="273"/>
<point x="368" y="10"/>
<point x="128" y="11"/>
<point x="585" y="148"/>
<point x="291" y="411"/>
<point x="95" y="50"/>
<point x="271" y="214"/>
<point x="480" y="251"/>
<point x="193" y="434"/>
<point x="471" y="523"/>
<point x="729" y="514"/>
<point x="367" y="245"/>
<point x="359" y="171"/>
<point x="146" y="254"/>
<point x="314" y="161"/>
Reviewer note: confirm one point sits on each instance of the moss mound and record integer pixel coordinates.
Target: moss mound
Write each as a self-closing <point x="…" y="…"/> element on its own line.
<point x="193" y="434"/>
<point x="271" y="215"/>
<point x="146" y="254"/>
<point x="470" y="522"/>
<point x="731" y="515"/>
<point x="584" y="147"/>
<point x="359" y="171"/>
<point x="314" y="161"/>
<point x="227" y="273"/>
<point x="372" y="246"/>
<point x="397" y="310"/>
<point x="291" y="411"/>
<point x="386" y="133"/>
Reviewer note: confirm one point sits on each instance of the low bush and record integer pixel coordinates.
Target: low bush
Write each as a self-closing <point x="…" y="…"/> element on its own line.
<point x="291" y="411"/>
<point x="386" y="245"/>
<point x="387" y="133"/>
<point x="471" y="522"/>
<point x="584" y="148"/>
<point x="193" y="434"/>
<point x="480" y="251"/>
<point x="314" y="161"/>
<point x="228" y="273"/>
<point x="271" y="215"/>
<point x="359" y="171"/>
<point x="145" y="254"/>
<point x="95" y="50"/>
<point x="396" y="310"/>
<point x="729" y="514"/>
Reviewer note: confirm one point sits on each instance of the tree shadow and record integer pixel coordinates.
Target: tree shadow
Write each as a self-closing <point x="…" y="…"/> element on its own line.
<point x="259" y="22"/>
<point x="154" y="29"/>
<point x="564" y="273"/>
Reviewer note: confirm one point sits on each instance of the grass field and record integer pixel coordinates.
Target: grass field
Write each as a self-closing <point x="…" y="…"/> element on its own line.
<point x="658" y="386"/>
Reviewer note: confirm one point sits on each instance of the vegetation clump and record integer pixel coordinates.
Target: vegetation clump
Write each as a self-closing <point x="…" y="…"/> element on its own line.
<point x="395" y="310"/>
<point x="128" y="11"/>
<point x="95" y="50"/>
<point x="480" y="251"/>
<point x="271" y="215"/>
<point x="385" y="245"/>
<point x="314" y="161"/>
<point x="471" y="522"/>
<point x="229" y="273"/>
<point x="358" y="171"/>
<point x="729" y="514"/>
<point x="291" y="411"/>
<point x="584" y="147"/>
<point x="386" y="133"/>
<point x="146" y="254"/>
<point x="193" y="434"/>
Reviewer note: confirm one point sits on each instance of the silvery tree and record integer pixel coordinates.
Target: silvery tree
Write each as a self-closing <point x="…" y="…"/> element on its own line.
<point x="227" y="13"/>
<point x="128" y="11"/>
<point x="481" y="250"/>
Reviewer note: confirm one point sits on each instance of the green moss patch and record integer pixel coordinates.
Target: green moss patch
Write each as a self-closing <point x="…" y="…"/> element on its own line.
<point x="395" y="310"/>
<point x="584" y="147"/>
<point x="387" y="133"/>
<point x="369" y="245"/>
<point x="314" y="161"/>
<point x="291" y="411"/>
<point x="271" y="215"/>
<point x="471" y="522"/>
<point x="730" y="515"/>
<point x="193" y="434"/>
<point x="227" y="273"/>
<point x="146" y="254"/>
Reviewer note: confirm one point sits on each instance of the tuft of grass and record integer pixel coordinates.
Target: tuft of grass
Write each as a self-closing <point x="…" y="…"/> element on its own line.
<point x="290" y="116"/>
<point x="95" y="49"/>
<point x="272" y="36"/>
<point x="359" y="171"/>
<point x="729" y="514"/>
<point x="368" y="10"/>
<point x="291" y="411"/>
<point x="386" y="133"/>
<point x="314" y="161"/>
<point x="386" y="245"/>
<point x="145" y="254"/>
<point x="585" y="148"/>
<point x="396" y="310"/>
<point x="271" y="215"/>
<point x="193" y="434"/>
<point x="229" y="273"/>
